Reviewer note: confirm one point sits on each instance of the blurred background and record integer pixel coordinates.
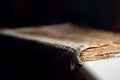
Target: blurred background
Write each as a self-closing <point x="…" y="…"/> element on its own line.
<point x="104" y="14"/>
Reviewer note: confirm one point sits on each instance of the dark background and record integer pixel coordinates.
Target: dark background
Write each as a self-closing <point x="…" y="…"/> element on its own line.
<point x="101" y="13"/>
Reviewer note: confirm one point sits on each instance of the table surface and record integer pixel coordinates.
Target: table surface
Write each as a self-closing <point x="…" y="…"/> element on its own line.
<point x="108" y="69"/>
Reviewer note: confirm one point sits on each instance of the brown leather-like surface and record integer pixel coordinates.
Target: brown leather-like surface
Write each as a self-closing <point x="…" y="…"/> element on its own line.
<point x="102" y="44"/>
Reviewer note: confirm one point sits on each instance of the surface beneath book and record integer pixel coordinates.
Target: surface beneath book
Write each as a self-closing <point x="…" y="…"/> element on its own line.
<point x="108" y="69"/>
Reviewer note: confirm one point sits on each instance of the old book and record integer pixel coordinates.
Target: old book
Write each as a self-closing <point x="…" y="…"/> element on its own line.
<point x="71" y="43"/>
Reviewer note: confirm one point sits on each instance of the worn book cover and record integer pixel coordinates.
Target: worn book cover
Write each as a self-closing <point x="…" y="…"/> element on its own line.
<point x="71" y="43"/>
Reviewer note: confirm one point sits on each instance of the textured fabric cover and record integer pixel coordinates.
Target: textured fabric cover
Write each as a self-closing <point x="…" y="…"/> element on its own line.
<point x="71" y="43"/>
